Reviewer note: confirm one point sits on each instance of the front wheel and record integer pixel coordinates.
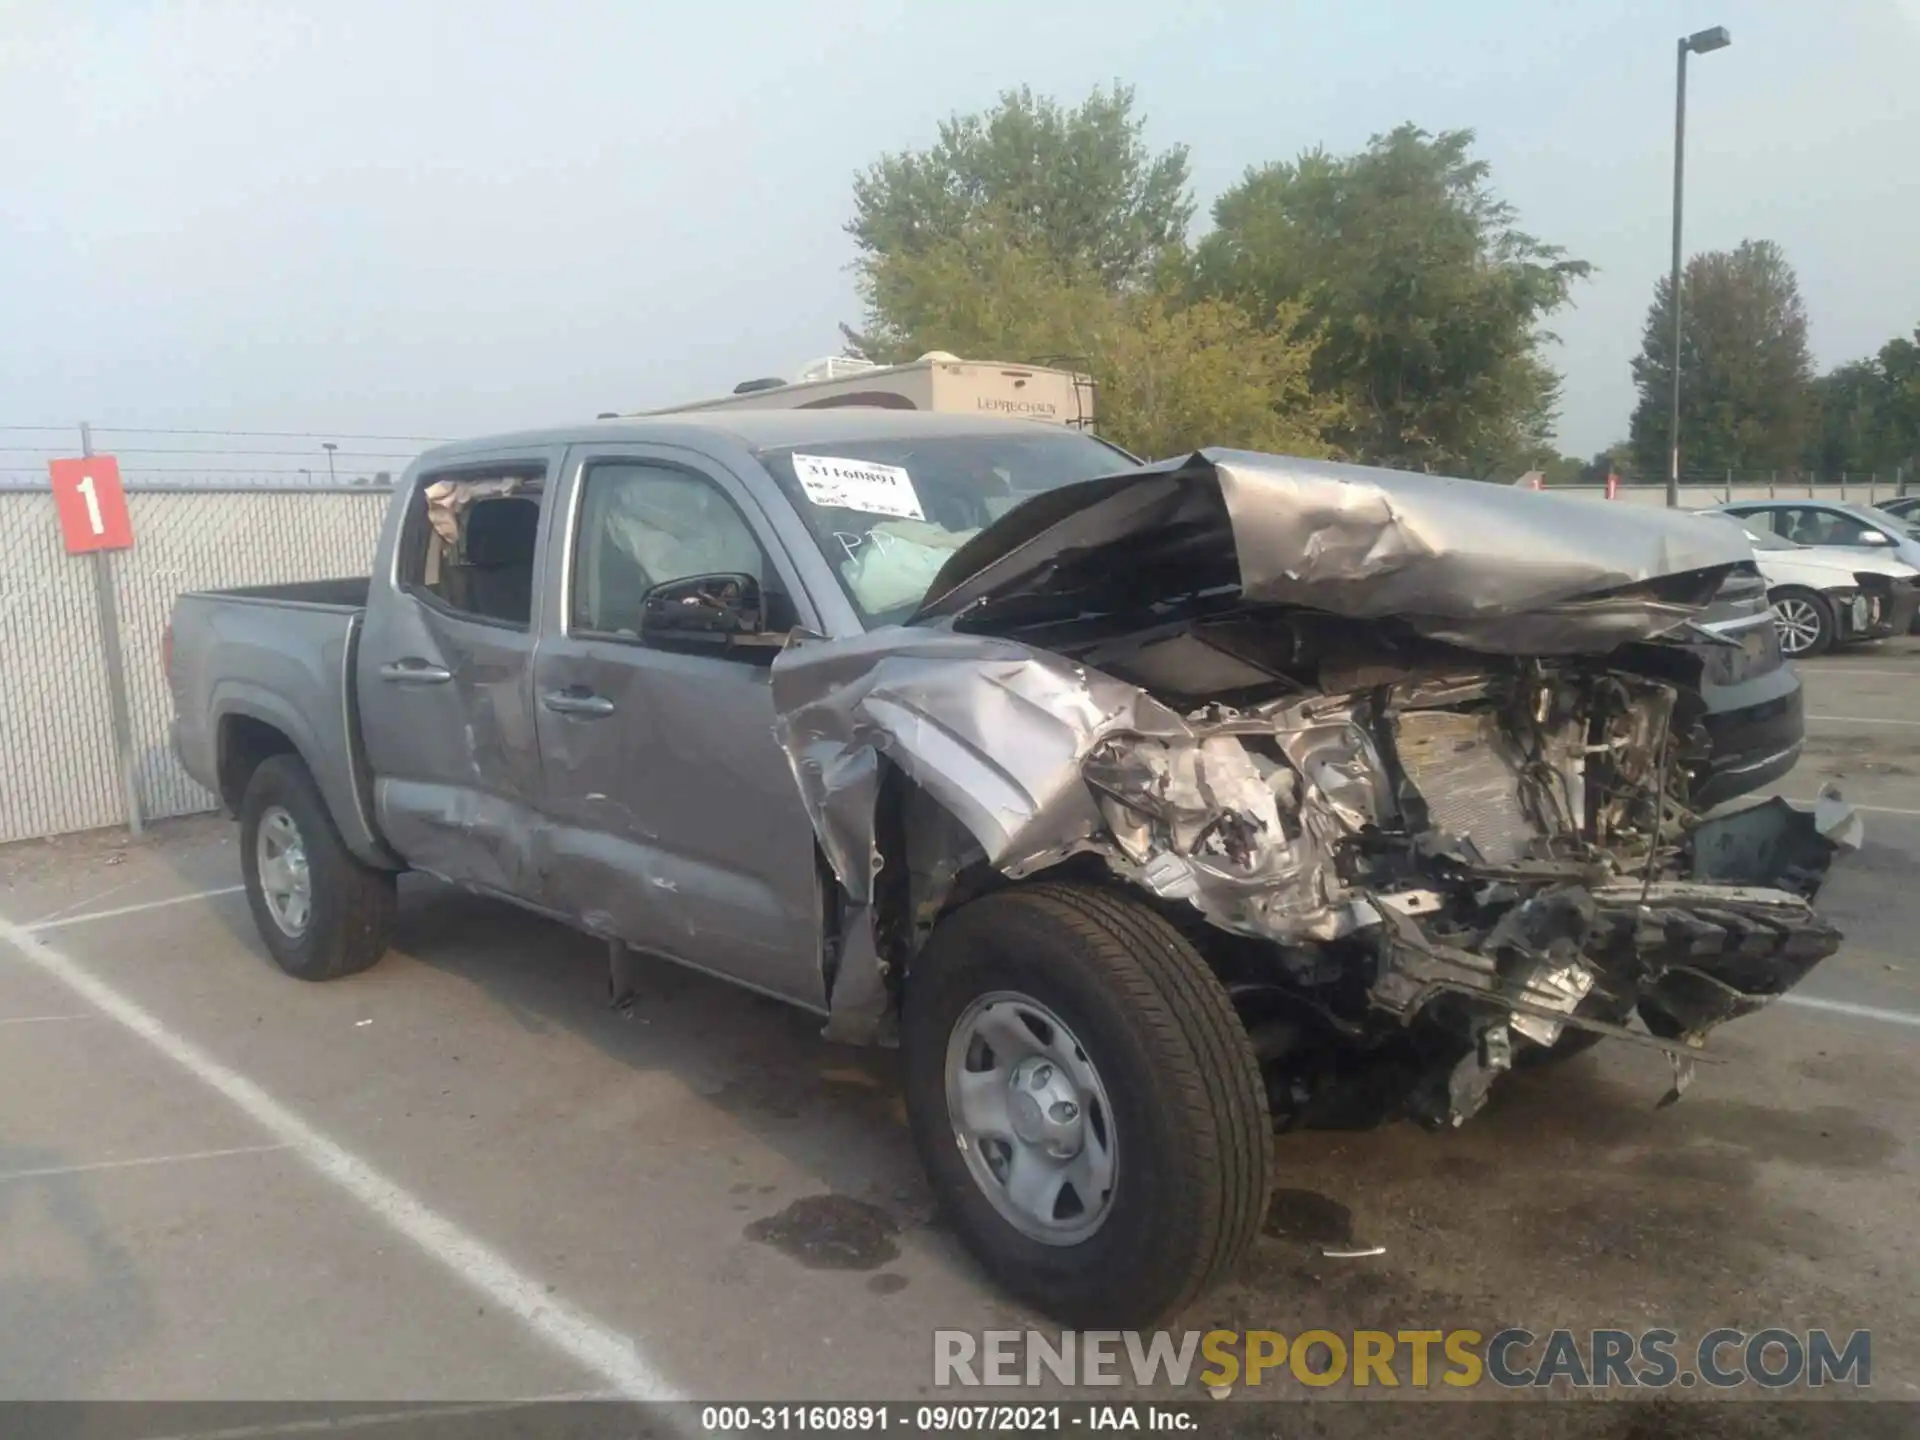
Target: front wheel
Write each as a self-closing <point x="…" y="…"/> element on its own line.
<point x="321" y="912"/>
<point x="1086" y="1102"/>
<point x="1805" y="623"/>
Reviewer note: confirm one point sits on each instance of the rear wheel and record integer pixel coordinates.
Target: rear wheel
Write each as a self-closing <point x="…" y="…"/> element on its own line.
<point x="1086" y="1102"/>
<point x="321" y="912"/>
<point x="1805" y="623"/>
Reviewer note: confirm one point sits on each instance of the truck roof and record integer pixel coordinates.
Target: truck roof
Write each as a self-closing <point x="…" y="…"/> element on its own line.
<point x="755" y="428"/>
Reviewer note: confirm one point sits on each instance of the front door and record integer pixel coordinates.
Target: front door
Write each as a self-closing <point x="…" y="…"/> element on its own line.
<point x="445" y="676"/>
<point x="674" y="820"/>
<point x="1818" y="525"/>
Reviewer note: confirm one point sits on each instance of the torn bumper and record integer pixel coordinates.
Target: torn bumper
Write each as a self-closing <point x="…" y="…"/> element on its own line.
<point x="1684" y="956"/>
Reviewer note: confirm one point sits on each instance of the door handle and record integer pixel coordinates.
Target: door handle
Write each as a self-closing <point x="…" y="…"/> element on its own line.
<point x="576" y="702"/>
<point x="412" y="671"/>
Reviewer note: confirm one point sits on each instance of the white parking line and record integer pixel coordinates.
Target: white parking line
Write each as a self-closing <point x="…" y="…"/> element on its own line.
<point x="614" y="1357"/>
<point x="1861" y="720"/>
<point x="41" y="1019"/>
<point x="1806" y="669"/>
<point x="136" y="1161"/>
<point x="1847" y="1007"/>
<point x="94" y="899"/>
<point x="416" y="1415"/>
<point x="40" y="926"/>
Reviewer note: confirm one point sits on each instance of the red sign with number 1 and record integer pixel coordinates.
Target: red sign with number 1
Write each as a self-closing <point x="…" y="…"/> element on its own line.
<point x="92" y="505"/>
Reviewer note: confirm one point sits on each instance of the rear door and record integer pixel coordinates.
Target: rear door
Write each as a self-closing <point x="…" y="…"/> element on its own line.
<point x="1762" y="519"/>
<point x="445" y="674"/>
<point x="674" y="819"/>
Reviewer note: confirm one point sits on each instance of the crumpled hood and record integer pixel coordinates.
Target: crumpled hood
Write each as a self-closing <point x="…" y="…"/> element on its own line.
<point x="1496" y="569"/>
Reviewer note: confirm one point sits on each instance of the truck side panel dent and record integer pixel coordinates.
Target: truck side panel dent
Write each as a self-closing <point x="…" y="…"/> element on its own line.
<point x="925" y="757"/>
<point x="459" y="833"/>
<point x="992" y="729"/>
<point x="925" y="862"/>
<point x="445" y="695"/>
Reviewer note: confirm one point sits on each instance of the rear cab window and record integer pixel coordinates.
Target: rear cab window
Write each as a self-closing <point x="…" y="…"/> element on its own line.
<point x="1757" y="518"/>
<point x="471" y="540"/>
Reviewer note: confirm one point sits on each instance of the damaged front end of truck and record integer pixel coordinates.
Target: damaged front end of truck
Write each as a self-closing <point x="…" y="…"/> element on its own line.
<point x="1409" y="760"/>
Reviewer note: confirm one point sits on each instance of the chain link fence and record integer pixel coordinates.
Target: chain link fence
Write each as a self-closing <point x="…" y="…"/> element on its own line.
<point x="1701" y="488"/>
<point x="58" y="762"/>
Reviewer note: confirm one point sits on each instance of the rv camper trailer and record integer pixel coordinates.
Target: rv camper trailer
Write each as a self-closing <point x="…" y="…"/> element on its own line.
<point x="938" y="382"/>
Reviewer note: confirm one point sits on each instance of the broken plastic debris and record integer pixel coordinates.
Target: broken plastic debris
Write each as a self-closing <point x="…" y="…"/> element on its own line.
<point x="1682" y="1077"/>
<point x="1352" y="1252"/>
<point x="1834" y="818"/>
<point x="358" y="1023"/>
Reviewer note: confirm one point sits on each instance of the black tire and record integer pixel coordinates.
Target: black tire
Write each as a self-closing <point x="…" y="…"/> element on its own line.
<point x="352" y="904"/>
<point x="1194" y="1143"/>
<point x="1817" y="609"/>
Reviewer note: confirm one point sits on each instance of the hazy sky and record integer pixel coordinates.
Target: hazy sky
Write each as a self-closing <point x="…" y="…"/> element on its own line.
<point x="446" y="218"/>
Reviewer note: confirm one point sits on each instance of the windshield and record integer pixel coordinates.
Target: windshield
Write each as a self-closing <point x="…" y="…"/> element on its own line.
<point x="1900" y="524"/>
<point x="887" y="514"/>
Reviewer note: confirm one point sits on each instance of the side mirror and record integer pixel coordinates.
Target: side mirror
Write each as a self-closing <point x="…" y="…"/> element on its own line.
<point x="703" y="609"/>
<point x="1875" y="537"/>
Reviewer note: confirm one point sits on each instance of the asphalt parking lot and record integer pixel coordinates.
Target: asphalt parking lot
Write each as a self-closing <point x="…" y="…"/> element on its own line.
<point x="460" y="1176"/>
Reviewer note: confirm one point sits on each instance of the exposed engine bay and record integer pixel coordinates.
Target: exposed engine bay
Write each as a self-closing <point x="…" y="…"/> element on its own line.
<point x="1452" y="865"/>
<point x="1414" y="845"/>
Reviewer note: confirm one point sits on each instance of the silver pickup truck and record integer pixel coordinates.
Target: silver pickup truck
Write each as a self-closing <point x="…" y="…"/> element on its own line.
<point x="1147" y="809"/>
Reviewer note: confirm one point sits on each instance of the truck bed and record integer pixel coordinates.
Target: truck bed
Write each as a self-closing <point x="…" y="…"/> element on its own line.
<point x="348" y="594"/>
<point x="278" y="657"/>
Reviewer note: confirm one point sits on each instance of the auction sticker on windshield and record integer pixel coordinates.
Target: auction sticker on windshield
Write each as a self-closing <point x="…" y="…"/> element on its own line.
<point x="857" y="485"/>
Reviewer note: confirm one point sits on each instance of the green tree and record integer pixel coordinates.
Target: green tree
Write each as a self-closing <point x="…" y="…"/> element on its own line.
<point x="1745" y="372"/>
<point x="1423" y="296"/>
<point x="1079" y="187"/>
<point x="1173" y="373"/>
<point x="1900" y="424"/>
<point x="1847" y="415"/>
<point x="1865" y="414"/>
<point x="1176" y="375"/>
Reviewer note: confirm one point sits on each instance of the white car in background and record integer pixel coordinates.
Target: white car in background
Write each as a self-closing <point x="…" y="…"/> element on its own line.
<point x="1825" y="595"/>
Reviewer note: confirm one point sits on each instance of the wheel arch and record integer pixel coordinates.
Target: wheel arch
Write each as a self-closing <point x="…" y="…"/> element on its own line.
<point x="929" y="862"/>
<point x="250" y="727"/>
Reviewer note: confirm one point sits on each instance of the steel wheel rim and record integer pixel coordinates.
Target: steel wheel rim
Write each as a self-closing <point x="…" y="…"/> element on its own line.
<point x="1030" y="1116"/>
<point x="285" y="883"/>
<point x="1798" y="623"/>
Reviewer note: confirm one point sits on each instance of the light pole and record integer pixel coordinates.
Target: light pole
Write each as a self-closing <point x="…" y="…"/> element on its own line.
<point x="329" y="446"/>
<point x="1698" y="43"/>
